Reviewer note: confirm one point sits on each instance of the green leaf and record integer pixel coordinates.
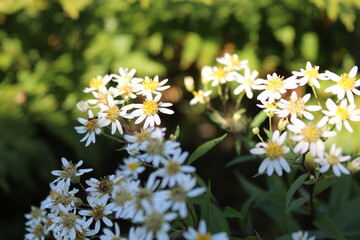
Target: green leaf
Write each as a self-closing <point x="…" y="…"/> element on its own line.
<point x="326" y="226"/>
<point x="294" y="187"/>
<point x="258" y="119"/>
<point x="177" y="131"/>
<point x="323" y="184"/>
<point x="296" y="203"/>
<point x="204" y="148"/>
<point x="240" y="159"/>
<point x="232" y="213"/>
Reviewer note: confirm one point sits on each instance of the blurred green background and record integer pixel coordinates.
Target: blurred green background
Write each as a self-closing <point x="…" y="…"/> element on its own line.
<point x="49" y="50"/>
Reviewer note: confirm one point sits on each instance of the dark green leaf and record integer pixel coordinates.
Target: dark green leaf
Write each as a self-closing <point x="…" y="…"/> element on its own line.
<point x="294" y="187"/>
<point x="240" y="159"/>
<point x="204" y="148"/>
<point x="326" y="226"/>
<point x="258" y="119"/>
<point x="232" y="213"/>
<point x="296" y="203"/>
<point x="323" y="184"/>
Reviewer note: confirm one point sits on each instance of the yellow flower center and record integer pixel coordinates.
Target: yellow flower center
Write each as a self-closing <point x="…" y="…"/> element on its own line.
<point x="311" y="73"/>
<point x="149" y="84"/>
<point x="346" y="82"/>
<point x="68" y="220"/>
<point x="96" y="82"/>
<point x="178" y="194"/>
<point x="275" y="84"/>
<point x="311" y="133"/>
<point x="270" y="105"/>
<point x="154" y="221"/>
<point x="132" y="166"/>
<point x="172" y="167"/>
<point x="125" y="90"/>
<point x="295" y="106"/>
<point x="220" y="73"/>
<point x="103" y="98"/>
<point x="122" y="196"/>
<point x="97" y="212"/>
<point x="342" y="114"/>
<point x="91" y="125"/>
<point x="206" y="236"/>
<point x="332" y="159"/>
<point x="142" y="136"/>
<point x="274" y="150"/>
<point x="150" y="107"/>
<point x="113" y="113"/>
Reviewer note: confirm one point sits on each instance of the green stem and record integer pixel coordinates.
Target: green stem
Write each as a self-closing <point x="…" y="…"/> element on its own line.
<point x="238" y="101"/>
<point x="316" y="96"/>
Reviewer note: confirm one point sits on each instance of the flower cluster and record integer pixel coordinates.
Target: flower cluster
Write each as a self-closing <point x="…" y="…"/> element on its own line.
<point x="151" y="187"/>
<point x="115" y="105"/>
<point x="299" y="131"/>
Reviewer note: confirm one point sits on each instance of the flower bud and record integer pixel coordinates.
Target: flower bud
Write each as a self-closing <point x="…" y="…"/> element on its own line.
<point x="282" y="124"/>
<point x="354" y="165"/>
<point x="189" y="83"/>
<point x="256" y="130"/>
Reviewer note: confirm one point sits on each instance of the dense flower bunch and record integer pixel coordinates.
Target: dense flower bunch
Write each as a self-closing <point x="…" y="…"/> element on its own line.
<point x="299" y="132"/>
<point x="150" y="188"/>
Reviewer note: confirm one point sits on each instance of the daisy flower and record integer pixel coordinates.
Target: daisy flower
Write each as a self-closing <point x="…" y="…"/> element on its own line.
<point x="269" y="107"/>
<point x="202" y="233"/>
<point x="179" y="194"/>
<point x="246" y="82"/>
<point x="296" y="107"/>
<point x="109" y="235"/>
<point x="345" y="84"/>
<point x="340" y="115"/>
<point x="66" y="224"/>
<point x="70" y="172"/>
<point x="218" y="75"/>
<point x="310" y="75"/>
<point x="149" y="86"/>
<point x="97" y="83"/>
<point x="123" y="195"/>
<point x="131" y="168"/>
<point x="200" y="97"/>
<point x="102" y="187"/>
<point x="111" y="114"/>
<point x="309" y="136"/>
<point x="83" y="106"/>
<point x="148" y="111"/>
<point x="90" y="127"/>
<point x="60" y="198"/>
<point x="300" y="235"/>
<point x="155" y="220"/>
<point x="274" y="151"/>
<point x="232" y="62"/>
<point x="173" y="171"/>
<point x="333" y="159"/>
<point x="100" y="210"/>
<point x="36" y="230"/>
<point x="136" y="233"/>
<point x="274" y="86"/>
<point x="102" y="96"/>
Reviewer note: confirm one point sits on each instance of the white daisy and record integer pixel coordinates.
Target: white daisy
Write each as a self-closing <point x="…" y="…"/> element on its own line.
<point x="269" y="107"/>
<point x="90" y="127"/>
<point x="296" y="107"/>
<point x="60" y="198"/>
<point x="131" y="168"/>
<point x="173" y="171"/>
<point x="149" y="86"/>
<point x="70" y="173"/>
<point x="310" y="75"/>
<point x="97" y="83"/>
<point x="200" y="97"/>
<point x="36" y="230"/>
<point x="340" y="115"/>
<point x="83" y="106"/>
<point x="103" y="187"/>
<point x="111" y="114"/>
<point x="66" y="224"/>
<point x="274" y="151"/>
<point x="179" y="194"/>
<point x="333" y="159"/>
<point x="122" y="196"/>
<point x="110" y="235"/>
<point x="246" y="82"/>
<point x="102" y="96"/>
<point x="156" y="151"/>
<point x="202" y="233"/>
<point x="136" y="233"/>
<point x="345" y="84"/>
<point x="148" y="111"/>
<point x="232" y="62"/>
<point x="274" y="86"/>
<point x="155" y="220"/>
<point x="218" y="75"/>
<point x="309" y="136"/>
<point x="100" y="210"/>
<point x="300" y="235"/>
